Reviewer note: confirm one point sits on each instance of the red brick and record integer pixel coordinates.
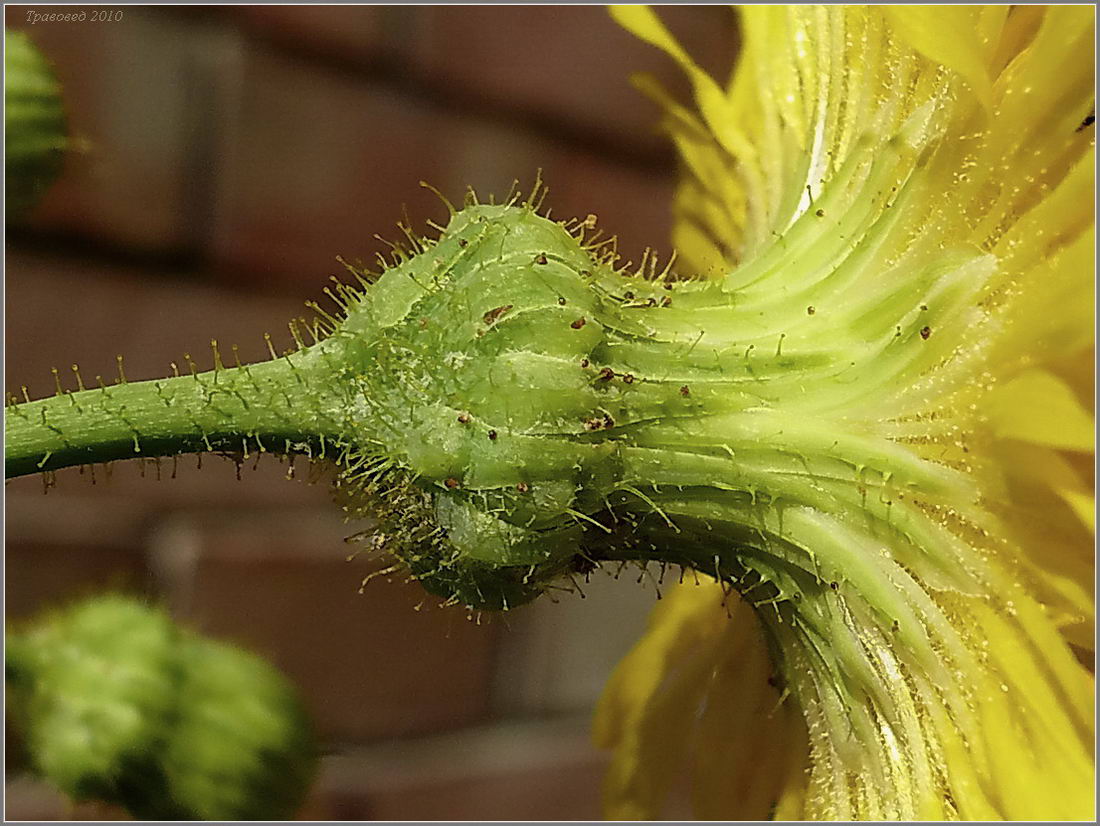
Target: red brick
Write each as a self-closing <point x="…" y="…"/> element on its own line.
<point x="44" y="576"/>
<point x="550" y="660"/>
<point x="355" y="33"/>
<point x="134" y="91"/>
<point x="319" y="163"/>
<point x="369" y="664"/>
<point x="514" y="770"/>
<point x="61" y="310"/>
<point x="30" y="799"/>
<point x="72" y="543"/>
<point x="570" y="63"/>
<point x="570" y="792"/>
<point x="635" y="205"/>
<point x="631" y="202"/>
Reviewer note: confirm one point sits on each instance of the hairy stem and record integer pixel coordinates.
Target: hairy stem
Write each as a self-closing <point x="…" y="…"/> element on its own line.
<point x="240" y="409"/>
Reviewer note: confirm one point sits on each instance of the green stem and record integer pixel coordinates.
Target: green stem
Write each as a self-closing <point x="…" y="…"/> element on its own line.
<point x="237" y="409"/>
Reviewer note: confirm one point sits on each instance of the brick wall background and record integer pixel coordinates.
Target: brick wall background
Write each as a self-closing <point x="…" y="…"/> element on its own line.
<point x="229" y="154"/>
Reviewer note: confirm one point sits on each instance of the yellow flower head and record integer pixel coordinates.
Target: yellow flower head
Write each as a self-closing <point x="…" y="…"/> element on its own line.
<point x="909" y="640"/>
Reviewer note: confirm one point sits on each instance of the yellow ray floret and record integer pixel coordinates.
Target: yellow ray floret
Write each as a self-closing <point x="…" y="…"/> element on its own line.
<point x="929" y="167"/>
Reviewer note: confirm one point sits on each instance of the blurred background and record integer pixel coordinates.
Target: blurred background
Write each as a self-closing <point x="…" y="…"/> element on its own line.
<point x="227" y="155"/>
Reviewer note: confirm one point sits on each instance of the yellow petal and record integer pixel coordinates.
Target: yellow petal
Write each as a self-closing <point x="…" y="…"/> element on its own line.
<point x="947" y="35"/>
<point x="1046" y="468"/>
<point x="746" y="731"/>
<point x="646" y="711"/>
<point x="1053" y="321"/>
<point x="677" y="623"/>
<point x="1038" y="407"/>
<point x="1050" y="513"/>
<point x="713" y="103"/>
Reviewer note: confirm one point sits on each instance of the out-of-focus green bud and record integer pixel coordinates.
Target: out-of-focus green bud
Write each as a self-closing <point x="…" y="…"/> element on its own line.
<point x="34" y="124"/>
<point x="240" y="748"/>
<point x="118" y="704"/>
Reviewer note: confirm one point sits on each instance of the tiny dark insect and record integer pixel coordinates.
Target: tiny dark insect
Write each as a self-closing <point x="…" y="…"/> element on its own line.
<point x="820" y="213"/>
<point x="811" y="310"/>
<point x="464" y="418"/>
<point x="668" y="285"/>
<point x="576" y="325"/>
<point x="1089" y="120"/>
<point x="685" y="390"/>
<point x="585" y="362"/>
<point x="451" y="482"/>
<point x="628" y="378"/>
<point x="629" y="296"/>
<point x="522" y="487"/>
<point x="835" y="586"/>
<point x="491" y="316"/>
<point x="607" y="374"/>
<point x="462" y="242"/>
<point x="561" y="300"/>
<point x="492" y="434"/>
<point x="608" y="422"/>
<point x="666" y="301"/>
<point x="541" y="258"/>
<point x="925" y="332"/>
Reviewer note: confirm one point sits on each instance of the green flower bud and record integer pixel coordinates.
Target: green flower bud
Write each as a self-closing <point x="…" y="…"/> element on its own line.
<point x="117" y="704"/>
<point x="34" y="124"/>
<point x="514" y="408"/>
<point x="240" y="745"/>
<point x="93" y="692"/>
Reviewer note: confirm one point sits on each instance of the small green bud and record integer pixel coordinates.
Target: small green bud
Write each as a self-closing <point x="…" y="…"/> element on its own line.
<point x="240" y="745"/>
<point x="34" y="124"/>
<point x="95" y="685"/>
<point x="118" y="704"/>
